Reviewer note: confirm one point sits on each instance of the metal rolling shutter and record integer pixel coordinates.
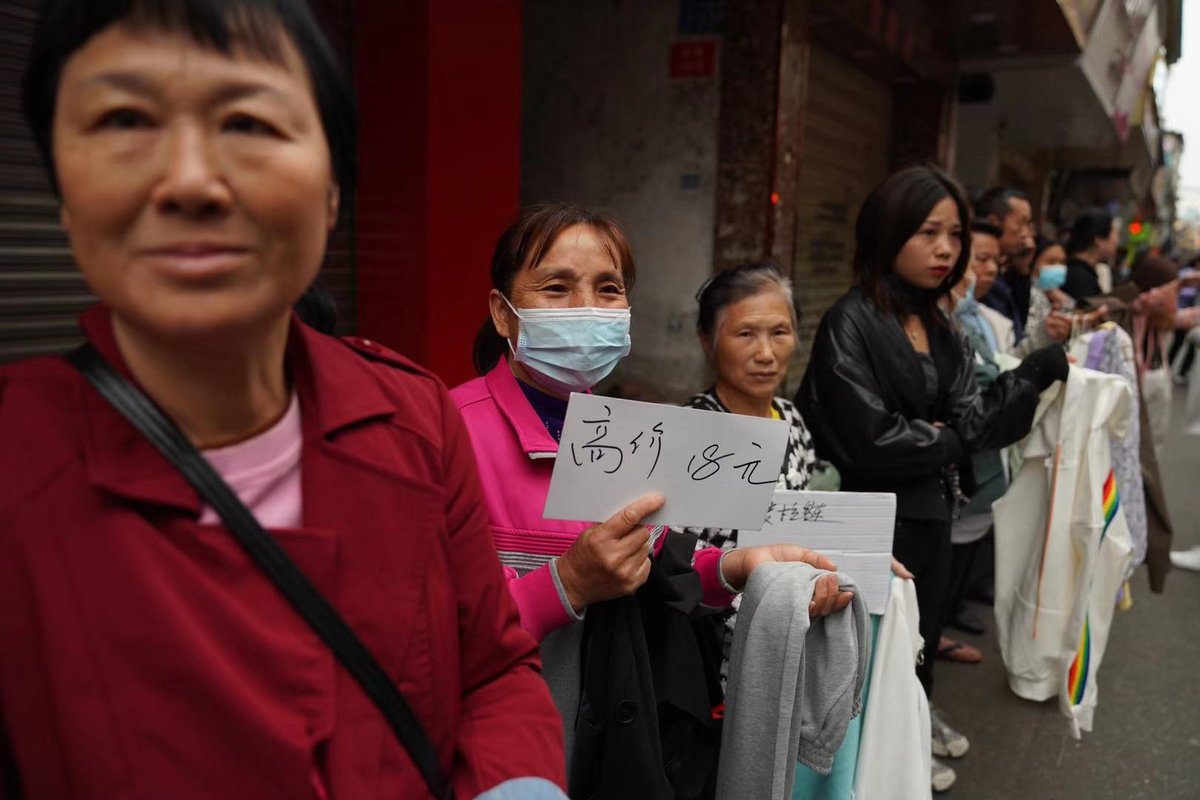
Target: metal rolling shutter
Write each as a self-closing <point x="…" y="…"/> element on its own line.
<point x="41" y="292"/>
<point x="847" y="136"/>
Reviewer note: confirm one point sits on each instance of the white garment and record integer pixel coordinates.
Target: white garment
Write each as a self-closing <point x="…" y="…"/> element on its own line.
<point x="1116" y="357"/>
<point x="1003" y="327"/>
<point x="894" y="751"/>
<point x="1061" y="552"/>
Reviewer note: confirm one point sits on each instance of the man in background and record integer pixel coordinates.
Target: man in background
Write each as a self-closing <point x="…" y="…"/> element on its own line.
<point x="1009" y="210"/>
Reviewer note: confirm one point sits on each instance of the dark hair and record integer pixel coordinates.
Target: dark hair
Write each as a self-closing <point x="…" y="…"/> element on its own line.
<point x="318" y="310"/>
<point x="1041" y="244"/>
<point x="997" y="202"/>
<point x="523" y="245"/>
<point x="891" y="214"/>
<point x="1093" y="224"/>
<point x="735" y="284"/>
<point x="64" y="26"/>
<point x="986" y="228"/>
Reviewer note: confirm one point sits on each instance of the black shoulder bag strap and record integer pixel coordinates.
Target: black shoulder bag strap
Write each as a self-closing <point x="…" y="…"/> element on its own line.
<point x="271" y="558"/>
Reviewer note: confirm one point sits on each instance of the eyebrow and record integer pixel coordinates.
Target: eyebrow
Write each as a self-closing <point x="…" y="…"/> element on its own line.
<point x="138" y="84"/>
<point x="567" y="273"/>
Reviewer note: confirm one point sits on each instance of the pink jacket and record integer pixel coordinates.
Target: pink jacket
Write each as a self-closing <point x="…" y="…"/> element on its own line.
<point x="516" y="455"/>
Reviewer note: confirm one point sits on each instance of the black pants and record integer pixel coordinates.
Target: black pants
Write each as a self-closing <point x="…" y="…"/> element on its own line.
<point x="923" y="546"/>
<point x="962" y="562"/>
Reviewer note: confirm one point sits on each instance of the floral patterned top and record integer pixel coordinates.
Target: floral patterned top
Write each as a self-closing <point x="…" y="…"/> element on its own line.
<point x="799" y="460"/>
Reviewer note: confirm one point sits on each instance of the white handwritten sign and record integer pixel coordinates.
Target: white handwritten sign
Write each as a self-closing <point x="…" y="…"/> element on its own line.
<point x="854" y="529"/>
<point x="716" y="470"/>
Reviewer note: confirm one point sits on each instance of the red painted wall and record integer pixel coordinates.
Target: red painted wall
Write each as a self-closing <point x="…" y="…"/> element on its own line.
<point x="439" y="88"/>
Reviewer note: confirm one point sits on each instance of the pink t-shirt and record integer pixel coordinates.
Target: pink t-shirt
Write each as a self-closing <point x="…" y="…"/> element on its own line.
<point x="264" y="472"/>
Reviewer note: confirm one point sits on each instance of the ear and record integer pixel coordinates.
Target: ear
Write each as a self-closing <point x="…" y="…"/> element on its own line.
<point x="334" y="201"/>
<point x="706" y="345"/>
<point x="502" y="316"/>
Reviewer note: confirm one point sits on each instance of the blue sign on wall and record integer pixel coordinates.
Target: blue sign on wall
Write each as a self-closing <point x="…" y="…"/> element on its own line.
<point x="697" y="17"/>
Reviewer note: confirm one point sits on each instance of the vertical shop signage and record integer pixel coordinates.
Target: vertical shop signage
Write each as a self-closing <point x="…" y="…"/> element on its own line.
<point x="695" y="58"/>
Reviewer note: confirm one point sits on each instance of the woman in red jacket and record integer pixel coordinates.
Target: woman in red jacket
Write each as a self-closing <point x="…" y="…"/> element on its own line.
<point x="200" y="150"/>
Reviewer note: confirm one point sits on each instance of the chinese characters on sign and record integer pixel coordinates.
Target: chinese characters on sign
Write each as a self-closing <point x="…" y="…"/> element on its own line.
<point x="716" y="470"/>
<point x="596" y="448"/>
<point x="854" y="529"/>
<point x="796" y="511"/>
<point x="693" y="59"/>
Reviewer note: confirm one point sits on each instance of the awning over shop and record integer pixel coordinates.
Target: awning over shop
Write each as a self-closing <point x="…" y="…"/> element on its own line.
<point x="1093" y="100"/>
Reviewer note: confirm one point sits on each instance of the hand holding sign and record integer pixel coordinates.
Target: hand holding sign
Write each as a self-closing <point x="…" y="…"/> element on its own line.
<point x="611" y="559"/>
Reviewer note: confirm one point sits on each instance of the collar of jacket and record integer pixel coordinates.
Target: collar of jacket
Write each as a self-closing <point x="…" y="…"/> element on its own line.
<point x="535" y="440"/>
<point x="911" y="299"/>
<point x="336" y="391"/>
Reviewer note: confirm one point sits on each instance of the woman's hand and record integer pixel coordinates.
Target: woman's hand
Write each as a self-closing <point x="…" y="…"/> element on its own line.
<point x="1058" y="299"/>
<point x="611" y="559"/>
<point x="738" y="563"/>
<point x="1093" y="318"/>
<point x="901" y="571"/>
<point x="1058" y="326"/>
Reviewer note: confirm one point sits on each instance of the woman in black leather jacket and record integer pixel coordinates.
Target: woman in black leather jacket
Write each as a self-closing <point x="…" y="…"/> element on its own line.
<point x="890" y="393"/>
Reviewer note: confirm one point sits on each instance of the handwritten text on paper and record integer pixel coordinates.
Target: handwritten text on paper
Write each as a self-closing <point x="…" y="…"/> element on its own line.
<point x="854" y="529"/>
<point x="716" y="470"/>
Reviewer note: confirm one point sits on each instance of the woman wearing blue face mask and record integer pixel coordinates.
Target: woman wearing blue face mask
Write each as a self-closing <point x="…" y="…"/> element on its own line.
<point x="1052" y="314"/>
<point x="1049" y="274"/>
<point x="1050" y="309"/>
<point x="559" y="323"/>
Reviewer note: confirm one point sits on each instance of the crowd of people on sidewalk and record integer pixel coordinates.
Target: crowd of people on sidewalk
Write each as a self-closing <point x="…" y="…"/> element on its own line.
<point x="242" y="557"/>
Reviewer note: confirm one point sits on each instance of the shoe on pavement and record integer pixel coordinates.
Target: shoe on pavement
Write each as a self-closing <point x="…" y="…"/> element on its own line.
<point x="1187" y="559"/>
<point x="952" y="650"/>
<point x="947" y="742"/>
<point x="943" y="777"/>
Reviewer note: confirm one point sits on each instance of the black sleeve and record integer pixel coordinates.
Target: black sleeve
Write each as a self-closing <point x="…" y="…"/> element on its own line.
<point x="1081" y="284"/>
<point x="994" y="417"/>
<point x="850" y="420"/>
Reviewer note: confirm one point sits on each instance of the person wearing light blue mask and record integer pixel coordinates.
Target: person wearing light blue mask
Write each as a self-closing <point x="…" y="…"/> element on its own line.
<point x="569" y="349"/>
<point x="1052" y="276"/>
<point x="559" y="323"/>
<point x="1049" y="317"/>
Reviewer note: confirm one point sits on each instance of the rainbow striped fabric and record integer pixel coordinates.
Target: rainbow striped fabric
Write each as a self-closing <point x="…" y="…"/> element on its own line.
<point x="1077" y="675"/>
<point x="1111" y="500"/>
